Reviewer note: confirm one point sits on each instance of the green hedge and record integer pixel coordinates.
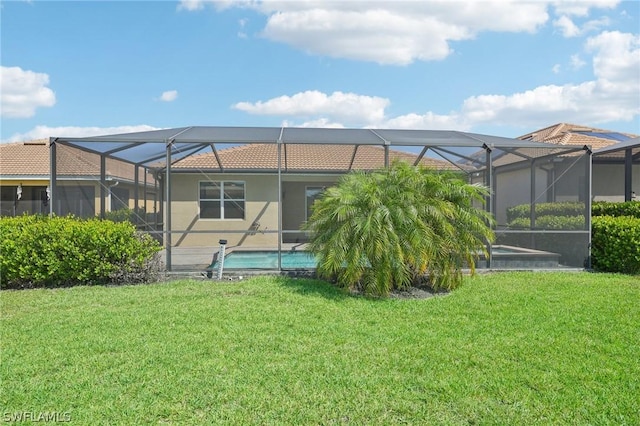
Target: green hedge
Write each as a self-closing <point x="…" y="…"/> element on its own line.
<point x="550" y="222"/>
<point x="605" y="208"/>
<point x="568" y="208"/>
<point x="38" y="251"/>
<point x="616" y="244"/>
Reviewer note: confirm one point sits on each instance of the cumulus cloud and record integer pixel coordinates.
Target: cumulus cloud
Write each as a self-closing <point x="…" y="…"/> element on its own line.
<point x="582" y="7"/>
<point x="397" y="33"/>
<point x="168" y="96"/>
<point x="351" y="107"/>
<point x="400" y="33"/>
<point x="45" y="132"/>
<point x="566" y="26"/>
<point x="569" y="29"/>
<point x="611" y="96"/>
<point x="24" y="91"/>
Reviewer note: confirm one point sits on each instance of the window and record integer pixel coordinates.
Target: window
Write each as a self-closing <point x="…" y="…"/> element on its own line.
<point x="312" y="194"/>
<point x="119" y="198"/>
<point x="222" y="200"/>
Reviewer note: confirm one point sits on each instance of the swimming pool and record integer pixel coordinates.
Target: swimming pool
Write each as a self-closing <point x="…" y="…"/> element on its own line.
<point x="502" y="257"/>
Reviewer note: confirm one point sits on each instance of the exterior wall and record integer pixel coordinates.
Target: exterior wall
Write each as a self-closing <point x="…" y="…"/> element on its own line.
<point x="257" y="229"/>
<point x="514" y="187"/>
<point x="295" y="203"/>
<point x="608" y="182"/>
<point x="260" y="225"/>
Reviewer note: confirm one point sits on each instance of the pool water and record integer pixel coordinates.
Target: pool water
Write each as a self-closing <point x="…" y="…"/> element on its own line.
<point x="503" y="257"/>
<point x="268" y="260"/>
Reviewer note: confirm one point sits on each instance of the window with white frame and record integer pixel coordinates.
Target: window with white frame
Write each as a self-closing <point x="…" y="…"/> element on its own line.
<point x="222" y="200"/>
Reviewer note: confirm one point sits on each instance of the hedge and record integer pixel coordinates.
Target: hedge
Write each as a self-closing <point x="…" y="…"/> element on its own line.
<point x="616" y="244"/>
<point x="568" y="208"/>
<point x="550" y="222"/>
<point x="38" y="251"/>
<point x="605" y="208"/>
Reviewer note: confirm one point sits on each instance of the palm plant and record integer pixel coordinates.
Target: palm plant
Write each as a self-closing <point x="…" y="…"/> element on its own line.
<point x="387" y="229"/>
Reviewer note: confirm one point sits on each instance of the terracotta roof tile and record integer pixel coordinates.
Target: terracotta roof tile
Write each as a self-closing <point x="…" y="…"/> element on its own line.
<point x="31" y="158"/>
<point x="570" y="134"/>
<point x="302" y="157"/>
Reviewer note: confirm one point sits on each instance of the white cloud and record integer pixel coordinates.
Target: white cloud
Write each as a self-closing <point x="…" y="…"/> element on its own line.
<point x="569" y="29"/>
<point x="566" y="26"/>
<point x="351" y="107"/>
<point x="45" y="132"/>
<point x="319" y="123"/>
<point x="577" y="62"/>
<point x="386" y="32"/>
<point x="556" y="69"/>
<point x="23" y="92"/>
<point x="611" y="96"/>
<point x="582" y="7"/>
<point x="169" y="96"/>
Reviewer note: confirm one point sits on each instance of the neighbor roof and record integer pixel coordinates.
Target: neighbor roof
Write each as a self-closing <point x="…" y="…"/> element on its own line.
<point x="31" y="159"/>
<point x="574" y="134"/>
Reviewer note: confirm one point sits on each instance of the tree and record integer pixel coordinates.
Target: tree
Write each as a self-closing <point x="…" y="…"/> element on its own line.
<point x="391" y="228"/>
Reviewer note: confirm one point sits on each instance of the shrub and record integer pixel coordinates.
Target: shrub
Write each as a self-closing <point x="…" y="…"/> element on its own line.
<point x="616" y="244"/>
<point x="550" y="222"/>
<point x="605" y="208"/>
<point x="567" y="208"/>
<point x="387" y="229"/>
<point x="38" y="251"/>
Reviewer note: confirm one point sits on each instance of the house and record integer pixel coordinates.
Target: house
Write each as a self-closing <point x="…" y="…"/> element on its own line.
<point x="207" y="194"/>
<point x="611" y="180"/>
<point x="253" y="187"/>
<point x="25" y="182"/>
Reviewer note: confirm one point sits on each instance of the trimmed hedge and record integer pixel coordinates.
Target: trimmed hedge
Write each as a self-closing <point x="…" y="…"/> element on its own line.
<point x="567" y="208"/>
<point x="550" y="222"/>
<point x="605" y="208"/>
<point x="38" y="251"/>
<point x="616" y="244"/>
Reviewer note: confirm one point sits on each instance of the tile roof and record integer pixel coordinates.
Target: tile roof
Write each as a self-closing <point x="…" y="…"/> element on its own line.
<point x="303" y="157"/>
<point x="31" y="158"/>
<point x="574" y="134"/>
<point x="25" y="158"/>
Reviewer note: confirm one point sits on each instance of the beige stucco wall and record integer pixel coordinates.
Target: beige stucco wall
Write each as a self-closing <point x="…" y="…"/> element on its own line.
<point x="514" y="188"/>
<point x="295" y="203"/>
<point x="261" y="194"/>
<point x="608" y="182"/>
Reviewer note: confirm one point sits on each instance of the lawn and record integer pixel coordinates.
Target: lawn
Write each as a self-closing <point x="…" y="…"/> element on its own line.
<point x="508" y="348"/>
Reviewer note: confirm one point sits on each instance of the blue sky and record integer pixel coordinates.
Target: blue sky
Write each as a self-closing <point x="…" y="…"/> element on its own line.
<point x="497" y="67"/>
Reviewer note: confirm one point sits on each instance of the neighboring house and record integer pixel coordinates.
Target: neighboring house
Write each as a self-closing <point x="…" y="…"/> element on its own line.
<point x="25" y="179"/>
<point x="608" y="174"/>
<point x="207" y="196"/>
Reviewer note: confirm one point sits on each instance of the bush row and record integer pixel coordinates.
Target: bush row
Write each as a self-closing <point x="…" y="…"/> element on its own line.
<point x="38" y="251"/>
<point x="616" y="244"/>
<point x="604" y="208"/>
<point x="569" y="208"/>
<point x="550" y="222"/>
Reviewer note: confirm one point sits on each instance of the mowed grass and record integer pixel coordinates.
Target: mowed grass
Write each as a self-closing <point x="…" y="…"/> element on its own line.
<point x="507" y="348"/>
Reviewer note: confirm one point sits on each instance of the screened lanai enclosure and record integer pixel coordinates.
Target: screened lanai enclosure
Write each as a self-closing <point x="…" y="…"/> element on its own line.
<point x="248" y="190"/>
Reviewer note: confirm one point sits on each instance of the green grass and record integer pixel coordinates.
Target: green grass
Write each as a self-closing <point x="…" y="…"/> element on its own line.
<point x="510" y="348"/>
